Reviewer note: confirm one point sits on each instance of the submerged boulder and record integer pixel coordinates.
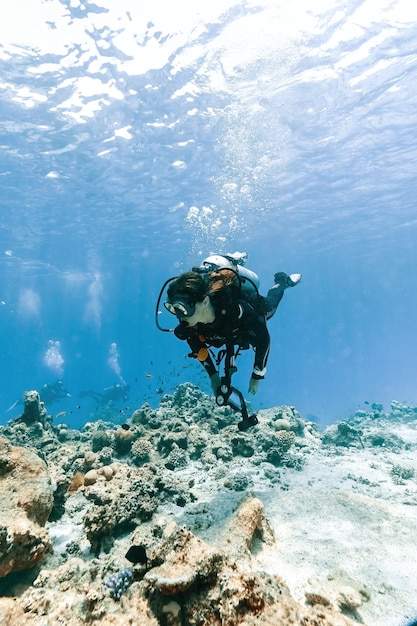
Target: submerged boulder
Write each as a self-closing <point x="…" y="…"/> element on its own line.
<point x="26" y="499"/>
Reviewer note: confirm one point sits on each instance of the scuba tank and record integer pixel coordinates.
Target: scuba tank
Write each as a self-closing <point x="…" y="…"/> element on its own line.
<point x="249" y="281"/>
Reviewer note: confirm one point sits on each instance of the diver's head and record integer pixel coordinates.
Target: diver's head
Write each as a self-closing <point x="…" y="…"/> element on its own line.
<point x="188" y="298"/>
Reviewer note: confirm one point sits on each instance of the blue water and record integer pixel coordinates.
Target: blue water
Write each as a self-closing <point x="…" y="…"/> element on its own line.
<point x="135" y="140"/>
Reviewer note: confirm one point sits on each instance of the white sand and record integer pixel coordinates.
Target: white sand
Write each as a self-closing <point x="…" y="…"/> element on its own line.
<point x="341" y="523"/>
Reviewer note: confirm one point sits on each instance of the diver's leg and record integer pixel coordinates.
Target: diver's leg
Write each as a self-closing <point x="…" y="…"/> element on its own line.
<point x="274" y="296"/>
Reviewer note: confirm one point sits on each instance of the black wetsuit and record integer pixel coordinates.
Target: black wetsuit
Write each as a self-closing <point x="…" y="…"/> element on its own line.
<point x="50" y="393"/>
<point x="238" y="322"/>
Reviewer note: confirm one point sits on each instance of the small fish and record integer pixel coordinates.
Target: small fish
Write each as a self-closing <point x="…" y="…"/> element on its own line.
<point x="136" y="554"/>
<point x="148" y="375"/>
<point x="60" y="414"/>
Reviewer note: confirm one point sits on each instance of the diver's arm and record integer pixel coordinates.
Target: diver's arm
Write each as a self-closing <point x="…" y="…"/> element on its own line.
<point x="199" y="348"/>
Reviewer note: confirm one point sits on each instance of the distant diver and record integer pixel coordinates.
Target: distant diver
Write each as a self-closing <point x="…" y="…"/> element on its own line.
<point x="218" y="304"/>
<point x="49" y="393"/>
<point x="109" y="394"/>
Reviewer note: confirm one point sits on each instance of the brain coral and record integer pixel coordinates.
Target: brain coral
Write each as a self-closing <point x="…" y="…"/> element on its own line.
<point x="141" y="451"/>
<point x="283" y="441"/>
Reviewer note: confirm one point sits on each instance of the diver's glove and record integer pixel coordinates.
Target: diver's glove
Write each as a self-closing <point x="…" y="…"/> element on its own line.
<point x="257" y="375"/>
<point x="253" y="385"/>
<point x="215" y="382"/>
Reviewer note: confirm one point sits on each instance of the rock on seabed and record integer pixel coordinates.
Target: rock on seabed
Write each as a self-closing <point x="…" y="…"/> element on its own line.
<point x="26" y="499"/>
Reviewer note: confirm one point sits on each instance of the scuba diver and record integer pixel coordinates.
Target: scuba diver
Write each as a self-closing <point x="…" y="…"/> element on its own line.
<point x="52" y="392"/>
<point x="117" y="392"/>
<point x="49" y="393"/>
<point x="218" y="304"/>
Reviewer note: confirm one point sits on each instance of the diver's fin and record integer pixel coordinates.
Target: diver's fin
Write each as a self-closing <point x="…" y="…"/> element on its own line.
<point x="285" y="280"/>
<point x="247" y="422"/>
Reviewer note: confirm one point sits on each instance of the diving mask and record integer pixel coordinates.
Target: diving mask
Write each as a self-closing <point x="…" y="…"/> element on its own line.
<point x="180" y="308"/>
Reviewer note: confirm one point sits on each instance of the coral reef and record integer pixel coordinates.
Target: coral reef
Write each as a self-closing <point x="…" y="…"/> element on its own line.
<point x="180" y="484"/>
<point x="187" y="581"/>
<point x="130" y="500"/>
<point x="118" y="583"/>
